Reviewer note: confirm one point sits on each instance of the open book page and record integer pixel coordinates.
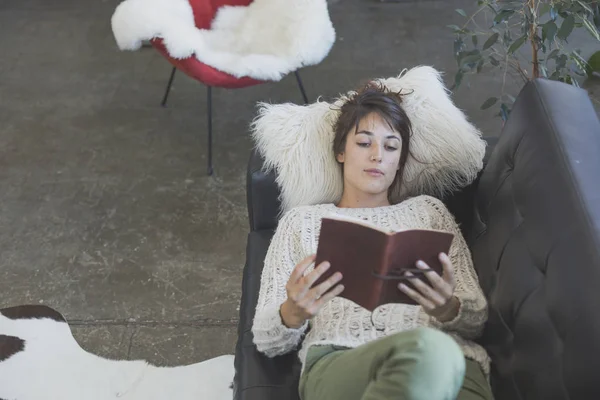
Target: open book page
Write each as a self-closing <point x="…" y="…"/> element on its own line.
<point x="359" y="221"/>
<point x="355" y="250"/>
<point x="368" y="224"/>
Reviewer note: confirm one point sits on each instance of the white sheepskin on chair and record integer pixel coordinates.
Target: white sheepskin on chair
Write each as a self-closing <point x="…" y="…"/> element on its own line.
<point x="297" y="143"/>
<point x="266" y="40"/>
<point x="40" y="359"/>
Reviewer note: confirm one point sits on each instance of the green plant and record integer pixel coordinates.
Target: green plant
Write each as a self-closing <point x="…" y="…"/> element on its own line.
<point x="508" y="27"/>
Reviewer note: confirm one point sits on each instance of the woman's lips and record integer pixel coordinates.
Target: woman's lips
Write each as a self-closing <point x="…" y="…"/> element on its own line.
<point x="374" y="172"/>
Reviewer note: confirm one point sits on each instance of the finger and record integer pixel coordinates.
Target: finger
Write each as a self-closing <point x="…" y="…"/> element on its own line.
<point x="448" y="269"/>
<point x="318" y="291"/>
<point x="307" y="282"/>
<point x="427" y="291"/>
<point x="328" y="296"/>
<point x="426" y="304"/>
<point x="298" y="271"/>
<point x="437" y="282"/>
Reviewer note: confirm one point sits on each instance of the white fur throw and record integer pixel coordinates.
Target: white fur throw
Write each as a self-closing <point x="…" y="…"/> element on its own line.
<point x="296" y="142"/>
<point x="265" y="40"/>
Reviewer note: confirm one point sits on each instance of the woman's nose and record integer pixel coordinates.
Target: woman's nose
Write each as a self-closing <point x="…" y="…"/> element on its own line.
<point x="376" y="154"/>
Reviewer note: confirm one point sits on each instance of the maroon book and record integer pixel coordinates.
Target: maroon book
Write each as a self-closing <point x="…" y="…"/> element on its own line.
<point x="374" y="261"/>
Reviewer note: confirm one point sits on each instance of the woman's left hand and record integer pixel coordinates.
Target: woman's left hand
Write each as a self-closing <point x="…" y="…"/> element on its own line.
<point x="437" y="300"/>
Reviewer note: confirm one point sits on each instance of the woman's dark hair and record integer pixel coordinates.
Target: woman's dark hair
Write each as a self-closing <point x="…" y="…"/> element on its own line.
<point x="374" y="97"/>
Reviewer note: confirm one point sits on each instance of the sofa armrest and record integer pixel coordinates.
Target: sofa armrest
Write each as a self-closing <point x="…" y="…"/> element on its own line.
<point x="262" y="195"/>
<point x="258" y="377"/>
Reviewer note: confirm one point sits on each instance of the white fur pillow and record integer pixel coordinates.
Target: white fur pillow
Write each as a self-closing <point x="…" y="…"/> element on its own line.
<point x="297" y="142"/>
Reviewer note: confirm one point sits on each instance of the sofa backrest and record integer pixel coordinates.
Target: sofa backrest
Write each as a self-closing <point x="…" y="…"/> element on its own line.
<point x="535" y="241"/>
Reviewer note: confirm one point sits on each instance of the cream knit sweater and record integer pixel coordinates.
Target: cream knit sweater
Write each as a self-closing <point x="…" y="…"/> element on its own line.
<point x="342" y="322"/>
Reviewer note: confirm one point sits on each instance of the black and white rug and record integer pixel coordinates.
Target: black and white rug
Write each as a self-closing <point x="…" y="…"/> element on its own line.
<point x="40" y="360"/>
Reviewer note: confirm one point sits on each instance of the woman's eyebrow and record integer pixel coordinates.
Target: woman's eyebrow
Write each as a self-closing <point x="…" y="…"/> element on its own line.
<point x="369" y="133"/>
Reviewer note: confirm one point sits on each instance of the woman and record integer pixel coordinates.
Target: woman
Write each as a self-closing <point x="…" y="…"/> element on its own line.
<point x="399" y="351"/>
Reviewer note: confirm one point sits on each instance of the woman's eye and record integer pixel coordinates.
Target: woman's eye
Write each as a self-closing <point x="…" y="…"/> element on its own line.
<point x="363" y="144"/>
<point x="391" y="148"/>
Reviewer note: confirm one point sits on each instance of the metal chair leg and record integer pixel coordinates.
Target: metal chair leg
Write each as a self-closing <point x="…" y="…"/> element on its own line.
<point x="301" y="87"/>
<point x="209" y="112"/>
<point x="164" y="100"/>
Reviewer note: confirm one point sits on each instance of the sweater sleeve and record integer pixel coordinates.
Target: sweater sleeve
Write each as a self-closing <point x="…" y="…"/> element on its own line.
<point x="473" y="309"/>
<point x="271" y="336"/>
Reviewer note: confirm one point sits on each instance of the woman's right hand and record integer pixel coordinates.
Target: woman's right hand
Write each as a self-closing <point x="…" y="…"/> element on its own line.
<point x="303" y="303"/>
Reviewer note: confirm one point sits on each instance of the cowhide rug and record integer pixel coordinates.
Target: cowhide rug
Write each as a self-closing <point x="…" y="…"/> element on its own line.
<point x="40" y="360"/>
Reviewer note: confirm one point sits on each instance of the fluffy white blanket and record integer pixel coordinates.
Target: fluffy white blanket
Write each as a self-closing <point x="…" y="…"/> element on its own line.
<point x="265" y="40"/>
<point x="40" y="359"/>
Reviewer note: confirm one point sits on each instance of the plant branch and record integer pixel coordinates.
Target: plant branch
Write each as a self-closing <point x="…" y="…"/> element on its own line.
<point x="532" y="33"/>
<point x="517" y="66"/>
<point x="473" y="16"/>
<point x="504" y="77"/>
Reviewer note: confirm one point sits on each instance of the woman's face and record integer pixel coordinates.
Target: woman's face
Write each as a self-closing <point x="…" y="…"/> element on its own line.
<point x="371" y="157"/>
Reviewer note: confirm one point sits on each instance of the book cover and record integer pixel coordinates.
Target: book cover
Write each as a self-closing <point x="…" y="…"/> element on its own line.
<point x="373" y="261"/>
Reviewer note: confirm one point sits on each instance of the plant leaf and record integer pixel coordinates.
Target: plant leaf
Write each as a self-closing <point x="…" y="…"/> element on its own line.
<point x="503" y="16"/>
<point x="517" y="44"/>
<point x="480" y="66"/>
<point x="581" y="63"/>
<point x="552" y="54"/>
<point x="591" y="28"/>
<point x="494" y="62"/>
<point x="561" y="61"/>
<point x="474" y="40"/>
<point x="549" y="30"/>
<point x="566" y="27"/>
<point x="459" y="45"/>
<point x="458" y="79"/>
<point x="504" y="111"/>
<point x="472" y="59"/>
<point x="463" y="54"/>
<point x="489" y="102"/>
<point x="585" y="6"/>
<point x="594" y="63"/>
<point x="491" y="41"/>
<point x="461" y="12"/>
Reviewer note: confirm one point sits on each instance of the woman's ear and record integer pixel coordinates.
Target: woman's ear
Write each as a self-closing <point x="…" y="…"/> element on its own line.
<point x="340" y="158"/>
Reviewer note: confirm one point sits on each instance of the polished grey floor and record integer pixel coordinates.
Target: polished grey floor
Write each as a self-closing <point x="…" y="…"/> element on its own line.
<point x="106" y="212"/>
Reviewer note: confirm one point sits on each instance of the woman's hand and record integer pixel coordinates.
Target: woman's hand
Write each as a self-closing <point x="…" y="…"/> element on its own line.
<point x="437" y="300"/>
<point x="304" y="303"/>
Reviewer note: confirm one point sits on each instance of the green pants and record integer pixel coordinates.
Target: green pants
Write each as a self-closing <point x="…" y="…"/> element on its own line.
<point x="421" y="364"/>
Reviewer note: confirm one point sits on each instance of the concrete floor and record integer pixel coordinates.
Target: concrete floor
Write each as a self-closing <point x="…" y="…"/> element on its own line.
<point x="106" y="212"/>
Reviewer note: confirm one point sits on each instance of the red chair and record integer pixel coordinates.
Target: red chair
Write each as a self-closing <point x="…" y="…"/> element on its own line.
<point x="204" y="12"/>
